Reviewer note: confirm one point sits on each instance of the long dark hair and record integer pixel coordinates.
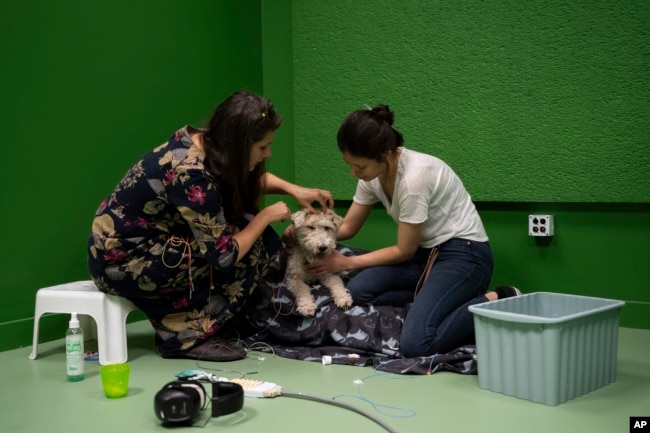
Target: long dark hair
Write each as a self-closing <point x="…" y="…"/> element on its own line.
<point x="238" y="122"/>
<point x="369" y="133"/>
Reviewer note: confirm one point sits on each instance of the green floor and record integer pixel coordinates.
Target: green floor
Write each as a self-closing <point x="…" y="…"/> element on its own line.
<point x="35" y="396"/>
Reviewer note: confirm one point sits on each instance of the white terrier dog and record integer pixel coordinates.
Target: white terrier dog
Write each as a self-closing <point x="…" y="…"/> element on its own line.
<point x="315" y="235"/>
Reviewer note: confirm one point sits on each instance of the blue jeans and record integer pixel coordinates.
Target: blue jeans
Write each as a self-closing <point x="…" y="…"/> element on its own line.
<point x="438" y="319"/>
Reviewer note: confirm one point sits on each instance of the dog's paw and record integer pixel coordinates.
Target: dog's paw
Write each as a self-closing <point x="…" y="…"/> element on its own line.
<point x="306" y="309"/>
<point x="344" y="302"/>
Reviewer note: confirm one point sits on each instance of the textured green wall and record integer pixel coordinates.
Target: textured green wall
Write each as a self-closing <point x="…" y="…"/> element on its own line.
<point x="278" y="81"/>
<point x="343" y="56"/>
<point x="539" y="101"/>
<point x="86" y="89"/>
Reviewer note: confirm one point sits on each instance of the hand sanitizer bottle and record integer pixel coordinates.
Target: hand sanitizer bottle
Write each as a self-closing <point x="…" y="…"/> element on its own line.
<point x="74" y="350"/>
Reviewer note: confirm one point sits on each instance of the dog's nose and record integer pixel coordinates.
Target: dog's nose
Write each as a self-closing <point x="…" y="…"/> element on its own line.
<point x="322" y="248"/>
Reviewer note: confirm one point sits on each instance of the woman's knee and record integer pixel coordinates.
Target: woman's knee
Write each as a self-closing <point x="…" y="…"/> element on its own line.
<point x="413" y="345"/>
<point x="360" y="296"/>
<point x="385" y="284"/>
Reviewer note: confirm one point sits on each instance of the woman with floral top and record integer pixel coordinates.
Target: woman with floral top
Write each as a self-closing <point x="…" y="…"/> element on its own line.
<point x="182" y="235"/>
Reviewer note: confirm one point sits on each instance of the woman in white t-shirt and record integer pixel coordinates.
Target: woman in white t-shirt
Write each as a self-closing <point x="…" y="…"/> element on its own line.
<point x="442" y="261"/>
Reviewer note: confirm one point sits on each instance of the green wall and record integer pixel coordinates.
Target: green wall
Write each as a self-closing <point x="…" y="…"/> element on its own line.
<point x="541" y="107"/>
<point x="88" y="87"/>
<point x="529" y="101"/>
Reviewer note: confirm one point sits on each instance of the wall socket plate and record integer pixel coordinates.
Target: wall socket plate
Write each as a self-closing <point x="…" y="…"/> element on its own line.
<point x="540" y="225"/>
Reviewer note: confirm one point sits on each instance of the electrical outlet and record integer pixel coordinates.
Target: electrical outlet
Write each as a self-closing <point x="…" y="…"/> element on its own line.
<point x="540" y="225"/>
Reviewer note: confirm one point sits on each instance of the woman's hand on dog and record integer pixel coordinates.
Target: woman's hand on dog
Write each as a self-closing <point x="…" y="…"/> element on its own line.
<point x="306" y="196"/>
<point x="333" y="263"/>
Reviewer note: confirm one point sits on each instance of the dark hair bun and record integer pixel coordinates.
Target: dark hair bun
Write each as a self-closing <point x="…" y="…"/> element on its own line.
<point x="384" y="112"/>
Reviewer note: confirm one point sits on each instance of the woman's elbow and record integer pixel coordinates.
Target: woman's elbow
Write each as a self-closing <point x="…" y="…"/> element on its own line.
<point x="344" y="234"/>
<point x="406" y="254"/>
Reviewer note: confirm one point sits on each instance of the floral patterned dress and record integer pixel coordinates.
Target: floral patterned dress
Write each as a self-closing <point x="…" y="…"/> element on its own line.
<point x="162" y="241"/>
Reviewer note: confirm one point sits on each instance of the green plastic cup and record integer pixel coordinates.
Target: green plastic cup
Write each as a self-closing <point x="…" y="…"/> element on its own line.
<point x="115" y="379"/>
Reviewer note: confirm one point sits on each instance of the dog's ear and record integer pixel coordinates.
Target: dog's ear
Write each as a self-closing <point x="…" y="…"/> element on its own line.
<point x="336" y="219"/>
<point x="298" y="218"/>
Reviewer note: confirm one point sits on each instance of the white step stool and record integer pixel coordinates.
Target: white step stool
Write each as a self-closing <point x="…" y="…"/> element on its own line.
<point x="83" y="297"/>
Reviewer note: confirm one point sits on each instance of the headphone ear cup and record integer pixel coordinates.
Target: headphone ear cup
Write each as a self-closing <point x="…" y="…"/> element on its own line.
<point x="179" y="402"/>
<point x="197" y="389"/>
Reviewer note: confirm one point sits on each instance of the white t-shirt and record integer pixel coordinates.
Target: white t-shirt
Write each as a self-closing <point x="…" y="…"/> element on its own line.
<point x="429" y="192"/>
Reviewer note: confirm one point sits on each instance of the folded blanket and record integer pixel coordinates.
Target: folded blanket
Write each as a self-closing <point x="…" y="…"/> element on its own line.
<point x="361" y="336"/>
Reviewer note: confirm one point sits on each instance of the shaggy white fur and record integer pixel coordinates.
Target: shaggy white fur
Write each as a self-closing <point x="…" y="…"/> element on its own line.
<point x="315" y="235"/>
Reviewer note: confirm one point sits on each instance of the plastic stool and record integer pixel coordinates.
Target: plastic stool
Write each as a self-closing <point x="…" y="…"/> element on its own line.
<point x="83" y="297"/>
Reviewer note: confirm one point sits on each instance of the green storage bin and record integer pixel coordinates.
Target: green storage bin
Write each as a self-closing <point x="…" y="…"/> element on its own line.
<point x="546" y="347"/>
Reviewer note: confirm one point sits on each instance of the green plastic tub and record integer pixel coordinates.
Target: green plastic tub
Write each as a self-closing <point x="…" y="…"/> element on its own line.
<point x="546" y="347"/>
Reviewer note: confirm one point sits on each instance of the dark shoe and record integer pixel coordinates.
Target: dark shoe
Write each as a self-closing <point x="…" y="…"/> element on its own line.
<point x="216" y="350"/>
<point x="507" y="292"/>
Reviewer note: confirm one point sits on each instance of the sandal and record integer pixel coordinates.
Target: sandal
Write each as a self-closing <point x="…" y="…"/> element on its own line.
<point x="216" y="350"/>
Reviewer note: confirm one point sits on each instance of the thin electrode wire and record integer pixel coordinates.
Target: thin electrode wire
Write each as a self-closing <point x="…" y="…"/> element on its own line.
<point x="407" y="413"/>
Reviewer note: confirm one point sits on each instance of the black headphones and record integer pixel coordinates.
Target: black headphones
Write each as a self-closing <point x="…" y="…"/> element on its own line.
<point x="180" y="401"/>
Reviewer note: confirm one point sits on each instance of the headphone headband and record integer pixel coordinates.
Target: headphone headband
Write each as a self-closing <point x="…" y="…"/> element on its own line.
<point x="179" y="402"/>
<point x="227" y="397"/>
